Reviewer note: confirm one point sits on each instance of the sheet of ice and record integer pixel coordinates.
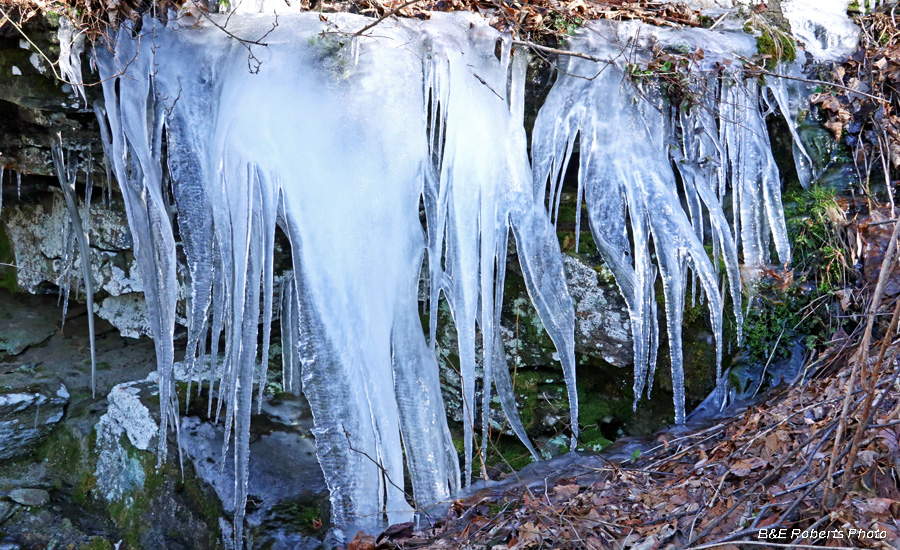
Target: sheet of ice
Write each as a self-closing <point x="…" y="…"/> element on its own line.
<point x="823" y="27"/>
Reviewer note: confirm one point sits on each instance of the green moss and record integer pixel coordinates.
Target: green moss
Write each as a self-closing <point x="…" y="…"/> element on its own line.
<point x="538" y="398"/>
<point x="61" y="450"/>
<point x="129" y="513"/>
<point x="785" y="313"/>
<point x="8" y="279"/>
<point x="84" y="488"/>
<point x="504" y="453"/>
<point x="459" y="445"/>
<point x="568" y="213"/>
<point x="604" y="404"/>
<point x="777" y="46"/>
<point x="305" y="515"/>
<point x="203" y="502"/>
<point x="816" y="246"/>
<point x="96" y="543"/>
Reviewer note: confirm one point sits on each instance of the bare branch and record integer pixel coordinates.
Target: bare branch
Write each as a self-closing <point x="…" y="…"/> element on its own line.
<point x="391" y="13"/>
<point x="556" y="51"/>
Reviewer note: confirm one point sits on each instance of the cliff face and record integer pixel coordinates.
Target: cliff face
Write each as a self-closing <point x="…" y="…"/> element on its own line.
<point x="36" y="108"/>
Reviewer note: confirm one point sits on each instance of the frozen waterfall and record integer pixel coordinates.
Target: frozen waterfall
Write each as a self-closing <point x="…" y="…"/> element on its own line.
<point x="341" y="139"/>
<point x="338" y="140"/>
<point x="639" y="155"/>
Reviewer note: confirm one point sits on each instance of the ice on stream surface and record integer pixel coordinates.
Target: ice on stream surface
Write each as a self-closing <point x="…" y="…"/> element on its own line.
<point x="339" y="140"/>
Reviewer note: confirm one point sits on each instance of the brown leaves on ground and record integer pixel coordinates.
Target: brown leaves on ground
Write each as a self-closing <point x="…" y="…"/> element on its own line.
<point x="863" y="232"/>
<point x="870" y="126"/>
<point x="767" y="468"/>
<point x="543" y="20"/>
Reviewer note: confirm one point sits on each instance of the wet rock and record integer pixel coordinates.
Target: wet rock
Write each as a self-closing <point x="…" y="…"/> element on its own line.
<point x="35" y="105"/>
<point x="29" y="409"/>
<point x="29" y="497"/>
<point x="23" y="327"/>
<point x="287" y="489"/>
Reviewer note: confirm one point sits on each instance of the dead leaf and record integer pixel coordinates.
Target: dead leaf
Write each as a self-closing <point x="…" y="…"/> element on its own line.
<point x="362" y="541"/>
<point x="866" y="458"/>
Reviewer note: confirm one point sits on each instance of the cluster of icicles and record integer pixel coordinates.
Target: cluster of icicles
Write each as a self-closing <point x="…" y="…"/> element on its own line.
<point x="340" y="141"/>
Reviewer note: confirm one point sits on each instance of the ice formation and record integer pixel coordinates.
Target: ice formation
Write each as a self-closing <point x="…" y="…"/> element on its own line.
<point x="71" y="48"/>
<point x="823" y="27"/>
<point x="338" y="140"/>
<point x="66" y="166"/>
<point x="639" y="155"/>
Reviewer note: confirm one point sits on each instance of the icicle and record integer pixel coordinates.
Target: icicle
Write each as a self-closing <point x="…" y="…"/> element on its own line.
<point x="289" y="334"/>
<point x="138" y="169"/>
<point x="791" y="96"/>
<point x="631" y="190"/>
<point x="195" y="228"/>
<point x="71" y="48"/>
<point x="268" y="205"/>
<point x="100" y="113"/>
<point x="67" y="172"/>
<point x="19" y="185"/>
<point x="350" y="209"/>
<point x="218" y="325"/>
<point x="88" y="192"/>
<point x="68" y="261"/>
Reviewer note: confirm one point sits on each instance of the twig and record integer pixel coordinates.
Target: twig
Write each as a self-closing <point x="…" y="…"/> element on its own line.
<point x="384" y="473"/>
<point x="757" y="68"/>
<point x="719" y="20"/>
<point x="861" y="365"/>
<point x="762" y="377"/>
<point x="393" y="12"/>
<point x="556" y="51"/>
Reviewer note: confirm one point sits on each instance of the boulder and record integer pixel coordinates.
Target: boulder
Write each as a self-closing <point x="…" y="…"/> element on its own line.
<point x="30" y="407"/>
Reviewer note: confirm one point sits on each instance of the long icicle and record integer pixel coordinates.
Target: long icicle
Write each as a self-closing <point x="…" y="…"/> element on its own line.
<point x="67" y="173"/>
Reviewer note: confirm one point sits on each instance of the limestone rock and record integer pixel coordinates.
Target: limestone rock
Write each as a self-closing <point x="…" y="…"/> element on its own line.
<point x="602" y="325"/>
<point x="118" y="472"/>
<point x="29" y="497"/>
<point x="29" y="409"/>
<point x="38" y="233"/>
